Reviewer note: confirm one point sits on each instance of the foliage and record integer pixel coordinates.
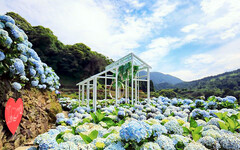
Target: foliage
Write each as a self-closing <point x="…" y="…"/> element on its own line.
<point x="99" y="116"/>
<point x="230" y="123"/>
<point x="167" y="93"/>
<point x="194" y="130"/>
<point x="89" y="138"/>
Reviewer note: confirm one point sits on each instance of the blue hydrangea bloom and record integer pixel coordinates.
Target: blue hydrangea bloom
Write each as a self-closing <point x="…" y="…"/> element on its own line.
<point x="165" y="142"/>
<point x="174" y="127"/>
<point x="33" y="54"/>
<point x="2" y="56"/>
<point x="115" y="146"/>
<point x="23" y="58"/>
<point x="35" y="83"/>
<point x="32" y="72"/>
<point x="158" y="129"/>
<point x="53" y="132"/>
<point x="24" y="78"/>
<point x="48" y="144"/>
<point x="19" y="66"/>
<point x="6" y="18"/>
<point x="121" y="113"/>
<point x="69" y="121"/>
<point x="17" y="86"/>
<point x="40" y="70"/>
<point x="60" y="115"/>
<point x="67" y="146"/>
<point x="133" y="131"/>
<point x="2" y="25"/>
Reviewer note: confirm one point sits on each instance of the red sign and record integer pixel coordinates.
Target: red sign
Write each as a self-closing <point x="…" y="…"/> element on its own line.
<point x="13" y="114"/>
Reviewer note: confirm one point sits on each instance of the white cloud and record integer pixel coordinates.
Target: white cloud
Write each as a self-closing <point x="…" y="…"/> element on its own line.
<point x="103" y="26"/>
<point x="199" y="58"/>
<point x="225" y="58"/>
<point x="157" y="49"/>
<point x="189" y="28"/>
<point x="185" y="75"/>
<point x="218" y="21"/>
<point x="135" y="3"/>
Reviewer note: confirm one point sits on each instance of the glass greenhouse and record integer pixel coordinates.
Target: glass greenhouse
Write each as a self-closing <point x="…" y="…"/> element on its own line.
<point x="125" y="75"/>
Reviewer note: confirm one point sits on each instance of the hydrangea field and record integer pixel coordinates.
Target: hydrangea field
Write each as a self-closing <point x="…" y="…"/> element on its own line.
<point x="161" y="124"/>
<point x="20" y="62"/>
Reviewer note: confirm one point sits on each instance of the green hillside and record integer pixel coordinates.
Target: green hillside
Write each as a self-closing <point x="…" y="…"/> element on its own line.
<point x="230" y="80"/>
<point x="220" y="85"/>
<point x="72" y="63"/>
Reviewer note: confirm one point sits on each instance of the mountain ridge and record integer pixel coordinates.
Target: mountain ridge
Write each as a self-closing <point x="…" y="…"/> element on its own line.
<point x="229" y="79"/>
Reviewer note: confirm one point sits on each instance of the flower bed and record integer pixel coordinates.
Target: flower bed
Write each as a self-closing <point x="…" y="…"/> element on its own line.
<point x="164" y="123"/>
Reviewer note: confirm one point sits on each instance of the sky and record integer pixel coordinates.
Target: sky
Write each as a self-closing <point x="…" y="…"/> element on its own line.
<point x="189" y="39"/>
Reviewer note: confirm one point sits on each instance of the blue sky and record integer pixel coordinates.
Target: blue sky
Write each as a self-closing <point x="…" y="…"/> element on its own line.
<point x="189" y="39"/>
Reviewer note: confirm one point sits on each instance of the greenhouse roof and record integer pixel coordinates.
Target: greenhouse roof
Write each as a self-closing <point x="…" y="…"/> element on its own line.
<point x="128" y="58"/>
<point x="112" y="67"/>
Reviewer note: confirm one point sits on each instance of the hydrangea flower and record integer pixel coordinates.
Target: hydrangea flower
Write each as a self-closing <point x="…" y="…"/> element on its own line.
<point x="207" y="127"/>
<point x="34" y="83"/>
<point x="150" y="146"/>
<point x="99" y="143"/>
<point x="115" y="146"/>
<point x="24" y="78"/>
<point x="7" y="18"/>
<point x="53" y="132"/>
<point x="213" y="133"/>
<point x="165" y="143"/>
<point x="209" y="142"/>
<point x="48" y="144"/>
<point x="212" y="105"/>
<point x="40" y="138"/>
<point x="17" y="86"/>
<point x="121" y="113"/>
<point x="67" y="146"/>
<point x="214" y="121"/>
<point x="60" y="115"/>
<point x="158" y="129"/>
<point x="23" y="58"/>
<point x="133" y="131"/>
<point x="179" y="138"/>
<point x="231" y="99"/>
<point x="159" y="117"/>
<point x="173" y="127"/>
<point x="114" y="137"/>
<point x="18" y="65"/>
<point x="229" y="141"/>
<point x="199" y="114"/>
<point x="77" y="139"/>
<point x="62" y="128"/>
<point x="2" y="56"/>
<point x="195" y="146"/>
<point x="67" y="136"/>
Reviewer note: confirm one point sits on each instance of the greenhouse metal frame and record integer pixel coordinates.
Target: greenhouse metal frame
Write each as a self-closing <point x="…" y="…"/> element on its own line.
<point x="91" y="82"/>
